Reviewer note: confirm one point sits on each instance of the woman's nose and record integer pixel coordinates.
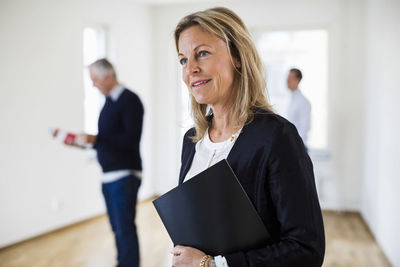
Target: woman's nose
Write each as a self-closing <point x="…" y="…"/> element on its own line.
<point x="193" y="66"/>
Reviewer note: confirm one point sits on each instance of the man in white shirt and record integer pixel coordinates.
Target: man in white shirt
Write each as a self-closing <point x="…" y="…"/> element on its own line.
<point x="299" y="110"/>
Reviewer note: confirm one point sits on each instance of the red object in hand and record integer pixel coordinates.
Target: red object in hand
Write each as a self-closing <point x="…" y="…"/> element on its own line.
<point x="70" y="139"/>
<point x="65" y="137"/>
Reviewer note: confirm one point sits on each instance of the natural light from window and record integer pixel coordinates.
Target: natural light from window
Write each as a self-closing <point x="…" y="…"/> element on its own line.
<point x="186" y="121"/>
<point x="94" y="47"/>
<point x="306" y="50"/>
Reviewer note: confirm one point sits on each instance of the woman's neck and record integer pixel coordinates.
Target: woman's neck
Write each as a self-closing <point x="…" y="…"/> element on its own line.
<point x="221" y="126"/>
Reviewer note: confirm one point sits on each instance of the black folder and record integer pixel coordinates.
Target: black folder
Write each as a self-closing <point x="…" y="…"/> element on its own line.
<point x="211" y="212"/>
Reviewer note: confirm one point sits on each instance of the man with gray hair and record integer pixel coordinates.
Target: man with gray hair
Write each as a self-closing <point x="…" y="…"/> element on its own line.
<point x="117" y="144"/>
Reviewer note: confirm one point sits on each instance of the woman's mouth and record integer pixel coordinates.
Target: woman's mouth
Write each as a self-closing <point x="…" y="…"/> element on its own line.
<point x="200" y="83"/>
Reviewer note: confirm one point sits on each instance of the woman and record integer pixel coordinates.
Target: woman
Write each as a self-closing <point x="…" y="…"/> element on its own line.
<point x="233" y="120"/>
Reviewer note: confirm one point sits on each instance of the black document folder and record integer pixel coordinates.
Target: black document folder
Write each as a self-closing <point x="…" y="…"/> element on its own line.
<point x="212" y="212"/>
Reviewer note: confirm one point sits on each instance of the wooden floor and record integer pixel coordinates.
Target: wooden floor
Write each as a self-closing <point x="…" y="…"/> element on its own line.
<point x="91" y="244"/>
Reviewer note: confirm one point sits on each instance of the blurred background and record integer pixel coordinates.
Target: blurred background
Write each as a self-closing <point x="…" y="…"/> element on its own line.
<point x="348" y="51"/>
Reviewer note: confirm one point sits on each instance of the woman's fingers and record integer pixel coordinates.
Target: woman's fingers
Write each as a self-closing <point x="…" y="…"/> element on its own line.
<point x="186" y="256"/>
<point x="178" y="250"/>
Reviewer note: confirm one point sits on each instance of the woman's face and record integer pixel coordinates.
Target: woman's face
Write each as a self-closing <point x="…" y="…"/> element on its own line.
<point x="207" y="69"/>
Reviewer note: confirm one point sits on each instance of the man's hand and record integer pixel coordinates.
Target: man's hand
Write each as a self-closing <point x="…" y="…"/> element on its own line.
<point x="86" y="139"/>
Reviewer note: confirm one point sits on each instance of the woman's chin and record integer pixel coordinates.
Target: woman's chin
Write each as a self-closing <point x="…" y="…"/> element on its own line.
<point x="201" y="100"/>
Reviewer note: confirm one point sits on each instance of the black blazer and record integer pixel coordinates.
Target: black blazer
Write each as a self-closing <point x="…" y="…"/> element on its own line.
<point x="271" y="163"/>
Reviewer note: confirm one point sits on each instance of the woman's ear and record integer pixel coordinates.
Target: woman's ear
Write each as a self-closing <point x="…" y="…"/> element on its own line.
<point x="237" y="63"/>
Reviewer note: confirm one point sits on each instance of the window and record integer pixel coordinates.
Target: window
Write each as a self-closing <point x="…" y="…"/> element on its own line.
<point x="186" y="121"/>
<point x="308" y="51"/>
<point x="94" y="47"/>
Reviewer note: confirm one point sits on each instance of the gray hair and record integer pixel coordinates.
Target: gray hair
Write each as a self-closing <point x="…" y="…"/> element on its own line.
<point x="102" y="67"/>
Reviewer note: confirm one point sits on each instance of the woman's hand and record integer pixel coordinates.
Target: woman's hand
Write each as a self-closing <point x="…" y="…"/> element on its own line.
<point x="187" y="257"/>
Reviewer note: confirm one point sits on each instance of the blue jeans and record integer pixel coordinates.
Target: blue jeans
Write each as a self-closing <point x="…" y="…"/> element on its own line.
<point x="120" y="197"/>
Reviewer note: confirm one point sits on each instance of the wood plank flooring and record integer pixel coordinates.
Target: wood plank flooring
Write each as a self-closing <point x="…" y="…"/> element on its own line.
<point x="91" y="244"/>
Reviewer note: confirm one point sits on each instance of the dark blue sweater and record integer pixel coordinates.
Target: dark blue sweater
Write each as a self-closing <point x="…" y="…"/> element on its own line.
<point x="271" y="163"/>
<point x="120" y="129"/>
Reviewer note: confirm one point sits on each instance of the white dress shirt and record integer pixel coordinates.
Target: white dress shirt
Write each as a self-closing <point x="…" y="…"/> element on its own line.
<point x="299" y="113"/>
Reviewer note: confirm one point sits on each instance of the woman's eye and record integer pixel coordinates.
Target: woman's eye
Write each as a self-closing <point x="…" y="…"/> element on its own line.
<point x="183" y="61"/>
<point x="203" y="53"/>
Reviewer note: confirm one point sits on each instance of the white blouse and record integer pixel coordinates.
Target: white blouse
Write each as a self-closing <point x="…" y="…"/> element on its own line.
<point x="207" y="153"/>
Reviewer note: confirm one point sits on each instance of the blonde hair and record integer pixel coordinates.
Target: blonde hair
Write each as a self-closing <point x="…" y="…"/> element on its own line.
<point x="250" y="93"/>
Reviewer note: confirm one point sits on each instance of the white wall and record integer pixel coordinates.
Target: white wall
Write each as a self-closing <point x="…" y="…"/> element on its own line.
<point x="381" y="198"/>
<point x="342" y="20"/>
<point x="41" y="86"/>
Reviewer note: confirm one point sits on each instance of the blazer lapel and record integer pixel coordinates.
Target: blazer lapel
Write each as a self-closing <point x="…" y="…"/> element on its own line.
<point x="234" y="156"/>
<point x="187" y="161"/>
